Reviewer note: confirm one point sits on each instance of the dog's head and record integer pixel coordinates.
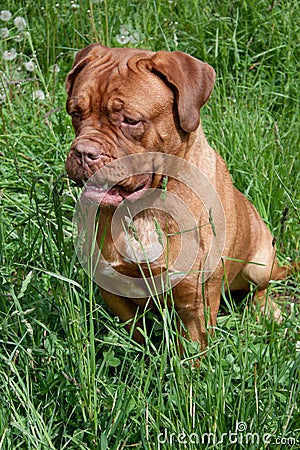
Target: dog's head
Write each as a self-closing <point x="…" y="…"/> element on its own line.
<point x="128" y="101"/>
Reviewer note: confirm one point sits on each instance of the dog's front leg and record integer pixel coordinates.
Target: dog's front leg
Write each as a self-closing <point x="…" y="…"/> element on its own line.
<point x="198" y="312"/>
<point x="127" y="312"/>
<point x="192" y="324"/>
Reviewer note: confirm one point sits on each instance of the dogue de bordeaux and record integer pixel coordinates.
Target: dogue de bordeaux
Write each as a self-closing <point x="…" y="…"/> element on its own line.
<point x="127" y="102"/>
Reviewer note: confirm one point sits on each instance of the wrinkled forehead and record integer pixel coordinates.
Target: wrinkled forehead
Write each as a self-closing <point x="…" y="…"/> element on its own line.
<point x="120" y="80"/>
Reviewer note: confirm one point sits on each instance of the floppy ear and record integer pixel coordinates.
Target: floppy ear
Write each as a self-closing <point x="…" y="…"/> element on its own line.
<point x="192" y="81"/>
<point x="82" y="58"/>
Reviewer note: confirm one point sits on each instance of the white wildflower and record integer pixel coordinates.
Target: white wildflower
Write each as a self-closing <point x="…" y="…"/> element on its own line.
<point x="38" y="95"/>
<point x="55" y="68"/>
<point x="19" y="38"/>
<point x="5" y="15"/>
<point x="30" y="66"/>
<point x="2" y="99"/>
<point x="10" y="55"/>
<point x="4" y="33"/>
<point x="20" y="23"/>
<point x="123" y="39"/>
<point x="127" y="35"/>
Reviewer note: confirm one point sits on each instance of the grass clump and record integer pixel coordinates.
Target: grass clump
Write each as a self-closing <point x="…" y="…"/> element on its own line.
<point x="70" y="376"/>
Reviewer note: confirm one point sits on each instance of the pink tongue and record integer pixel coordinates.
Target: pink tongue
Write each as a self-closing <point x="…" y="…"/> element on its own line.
<point x="94" y="195"/>
<point x="114" y="195"/>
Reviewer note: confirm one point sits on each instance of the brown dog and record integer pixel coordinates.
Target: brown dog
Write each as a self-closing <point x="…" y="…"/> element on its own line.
<point x="133" y="102"/>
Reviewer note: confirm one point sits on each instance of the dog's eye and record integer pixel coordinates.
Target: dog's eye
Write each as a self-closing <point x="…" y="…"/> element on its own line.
<point x="129" y="121"/>
<point x="76" y="118"/>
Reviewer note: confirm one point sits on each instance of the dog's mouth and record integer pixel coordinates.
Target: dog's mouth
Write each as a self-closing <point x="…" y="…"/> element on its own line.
<point x="109" y="195"/>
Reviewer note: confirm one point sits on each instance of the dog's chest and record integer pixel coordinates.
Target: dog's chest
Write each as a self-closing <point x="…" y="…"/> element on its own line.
<point x="141" y="240"/>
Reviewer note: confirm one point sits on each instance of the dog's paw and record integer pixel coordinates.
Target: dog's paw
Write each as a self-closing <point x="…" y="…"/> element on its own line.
<point x="272" y="311"/>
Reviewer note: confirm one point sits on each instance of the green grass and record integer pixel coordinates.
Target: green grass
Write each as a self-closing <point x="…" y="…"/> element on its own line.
<point x="70" y="376"/>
